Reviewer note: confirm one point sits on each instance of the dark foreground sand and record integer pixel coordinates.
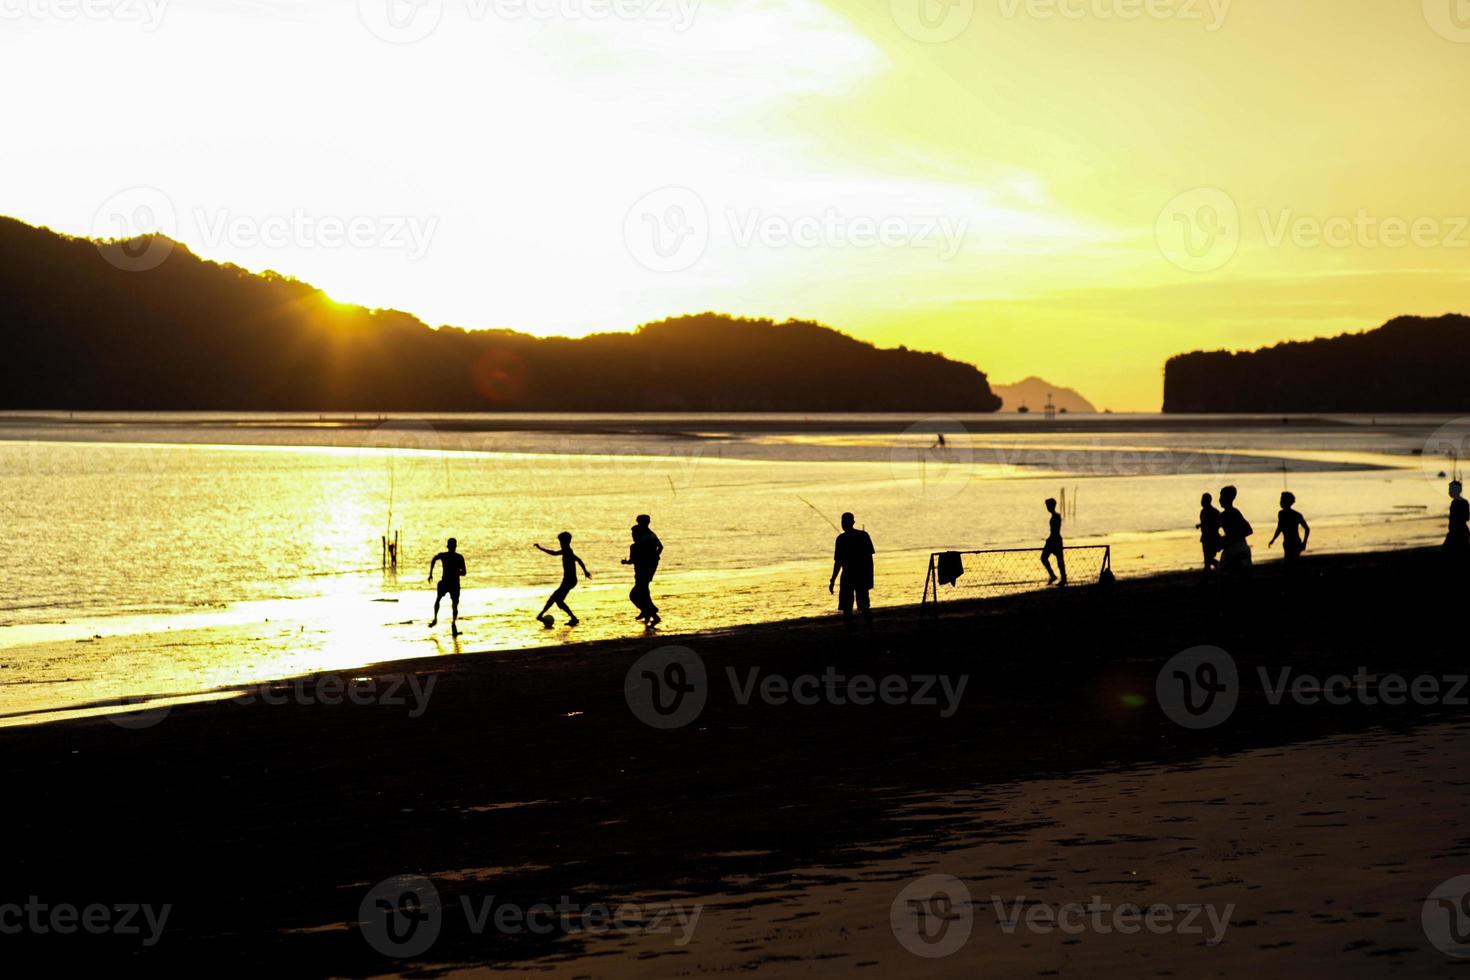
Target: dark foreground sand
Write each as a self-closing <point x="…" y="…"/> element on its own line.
<point x="777" y="837"/>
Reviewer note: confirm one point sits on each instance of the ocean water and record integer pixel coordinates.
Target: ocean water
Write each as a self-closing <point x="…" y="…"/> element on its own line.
<point x="172" y="555"/>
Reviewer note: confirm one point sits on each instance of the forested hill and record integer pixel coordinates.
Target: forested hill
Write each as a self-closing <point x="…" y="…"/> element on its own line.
<point x="83" y="333"/>
<point x="1410" y="364"/>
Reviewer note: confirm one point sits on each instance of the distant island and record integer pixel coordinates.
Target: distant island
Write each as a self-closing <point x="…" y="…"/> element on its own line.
<point x="1032" y="393"/>
<point x="1410" y="364"/>
<point x="190" y="334"/>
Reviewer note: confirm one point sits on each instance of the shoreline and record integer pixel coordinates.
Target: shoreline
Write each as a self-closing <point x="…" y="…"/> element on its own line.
<point x="905" y="616"/>
<point x="527" y="778"/>
<point x="686" y="424"/>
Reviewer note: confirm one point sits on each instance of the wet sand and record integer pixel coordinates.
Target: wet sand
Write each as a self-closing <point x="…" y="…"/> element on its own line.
<point x="793" y="828"/>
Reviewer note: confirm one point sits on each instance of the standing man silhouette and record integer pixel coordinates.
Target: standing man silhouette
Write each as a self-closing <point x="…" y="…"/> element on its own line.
<point x="1457" y="541"/>
<point x="644" y="555"/>
<point x="853" y="558"/>
<point x="1235" y="555"/>
<point x="1209" y="530"/>
<point x="454" y="570"/>
<point x="1053" y="545"/>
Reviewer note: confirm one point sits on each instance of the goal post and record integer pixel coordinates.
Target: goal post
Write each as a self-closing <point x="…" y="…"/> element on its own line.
<point x="989" y="573"/>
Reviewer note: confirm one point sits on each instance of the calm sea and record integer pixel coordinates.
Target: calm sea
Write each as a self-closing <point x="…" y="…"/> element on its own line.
<point x="153" y="554"/>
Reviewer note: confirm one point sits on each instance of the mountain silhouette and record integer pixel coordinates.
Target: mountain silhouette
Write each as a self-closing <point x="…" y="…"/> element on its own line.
<point x="1410" y="364"/>
<point x="1033" y="393"/>
<point x="183" y="333"/>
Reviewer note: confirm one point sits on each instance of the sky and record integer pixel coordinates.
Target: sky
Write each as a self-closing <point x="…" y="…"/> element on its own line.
<point x="1075" y="189"/>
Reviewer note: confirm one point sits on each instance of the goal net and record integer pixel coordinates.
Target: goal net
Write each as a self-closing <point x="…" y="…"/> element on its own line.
<point x="1008" y="571"/>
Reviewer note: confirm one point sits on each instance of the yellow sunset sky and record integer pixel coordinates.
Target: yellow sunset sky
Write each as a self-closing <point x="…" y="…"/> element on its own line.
<point x="1075" y="189"/>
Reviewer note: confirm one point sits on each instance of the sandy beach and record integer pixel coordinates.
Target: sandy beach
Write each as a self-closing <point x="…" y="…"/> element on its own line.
<point x="1018" y="746"/>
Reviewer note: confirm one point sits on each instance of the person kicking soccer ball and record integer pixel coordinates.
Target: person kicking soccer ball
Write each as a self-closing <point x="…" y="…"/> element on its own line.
<point x="569" y="563"/>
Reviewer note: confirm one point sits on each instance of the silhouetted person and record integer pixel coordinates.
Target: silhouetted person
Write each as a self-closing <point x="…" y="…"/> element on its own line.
<point x="1053" y="545"/>
<point x="853" y="558"/>
<point x="1457" y="541"/>
<point x="1209" y="530"/>
<point x="644" y="555"/>
<point x="1235" y="551"/>
<point x="453" y="570"/>
<point x="1292" y="529"/>
<point x="569" y="563"/>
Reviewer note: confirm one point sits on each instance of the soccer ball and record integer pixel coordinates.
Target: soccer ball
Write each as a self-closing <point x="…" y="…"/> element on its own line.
<point x="547" y="621"/>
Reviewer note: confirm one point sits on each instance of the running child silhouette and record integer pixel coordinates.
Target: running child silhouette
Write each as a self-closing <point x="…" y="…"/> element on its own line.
<point x="454" y="569"/>
<point x="1292" y="529"/>
<point x="569" y="563"/>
